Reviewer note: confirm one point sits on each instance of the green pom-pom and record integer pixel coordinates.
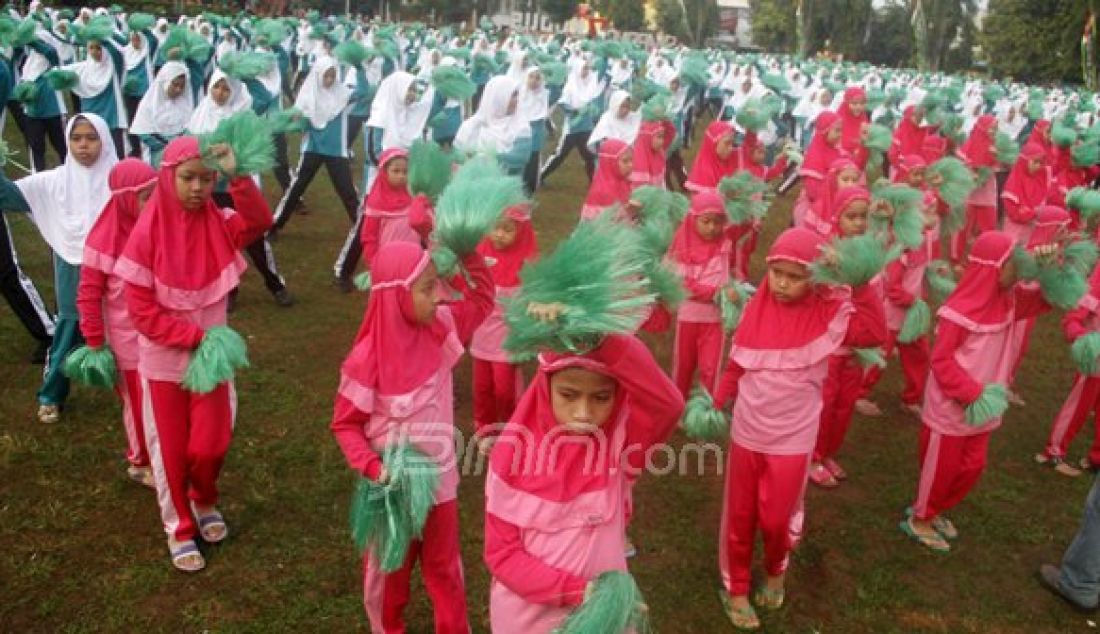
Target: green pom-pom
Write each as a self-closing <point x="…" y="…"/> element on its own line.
<point x="25" y="92"/>
<point x="616" y="605"/>
<point x="702" y="420"/>
<point x="287" y="120"/>
<point x="907" y="220"/>
<point x="1085" y="351"/>
<point x="1061" y="285"/>
<point x="484" y="64"/>
<point x="353" y="53"/>
<point x="1085" y="154"/>
<point x="386" y="518"/>
<point x="453" y="83"/>
<point x="1006" y="149"/>
<point x="92" y="366"/>
<point x="869" y="357"/>
<point x="429" y="169"/>
<point x="99" y="29"/>
<point x="58" y="79"/>
<point x="1027" y="266"/>
<point x="1084" y="200"/>
<point x="246" y="65"/>
<point x="362" y="281"/>
<point x="642" y="90"/>
<point x="1081" y="256"/>
<point x="731" y="310"/>
<point x="755" y="114"/>
<point x="184" y="44"/>
<point x="656" y="108"/>
<point x="990" y="405"/>
<point x="858" y="260"/>
<point x="23" y="34"/>
<point x="597" y="275"/>
<point x="216" y="360"/>
<point x="742" y="193"/>
<point x="554" y="73"/>
<point x="1062" y="135"/>
<point x="917" y="320"/>
<point x="695" y="72"/>
<point x="445" y="260"/>
<point x="269" y="32"/>
<point x="659" y="201"/>
<point x="776" y="82"/>
<point x="249" y="135"/>
<point x="472" y="202"/>
<point x="955" y="184"/>
<point x="141" y="21"/>
<point x="877" y="138"/>
<point x="462" y="54"/>
<point x="665" y="284"/>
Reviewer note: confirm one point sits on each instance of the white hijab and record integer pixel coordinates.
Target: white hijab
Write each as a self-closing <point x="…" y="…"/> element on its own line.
<point x="492" y="129"/>
<point x="160" y="114"/>
<point x="533" y="104"/>
<point x="94" y="76"/>
<point x="580" y="91"/>
<point x="66" y="200"/>
<point x="401" y="123"/>
<point x="134" y="57"/>
<point x="209" y="114"/>
<point x="319" y="104"/>
<point x="611" y="126"/>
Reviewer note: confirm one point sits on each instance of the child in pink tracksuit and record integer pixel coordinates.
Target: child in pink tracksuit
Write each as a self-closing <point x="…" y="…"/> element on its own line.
<point x="650" y="151"/>
<point x="559" y="476"/>
<point x="774" y="380"/>
<point x="389" y="212"/>
<point x="498" y="382"/>
<point x="844" y="381"/>
<point x="179" y="265"/>
<point x="981" y="207"/>
<point x="971" y="352"/>
<point x="611" y="184"/>
<point x="842" y="173"/>
<point x="104" y="319"/>
<point x="700" y="254"/>
<point x="381" y="402"/>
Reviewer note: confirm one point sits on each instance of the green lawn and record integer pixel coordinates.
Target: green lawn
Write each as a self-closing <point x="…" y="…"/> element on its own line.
<point x="83" y="550"/>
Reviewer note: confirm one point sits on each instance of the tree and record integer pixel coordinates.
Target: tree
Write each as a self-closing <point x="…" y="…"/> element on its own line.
<point x="627" y="15"/>
<point x="773" y="25"/>
<point x="559" y="11"/>
<point x="1035" y="40"/>
<point x="690" y="20"/>
<point x="670" y="17"/>
<point x="892" y="40"/>
<point x="943" y="26"/>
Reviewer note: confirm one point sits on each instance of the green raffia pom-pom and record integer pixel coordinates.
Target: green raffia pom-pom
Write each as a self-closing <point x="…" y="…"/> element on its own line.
<point x="216" y="360"/>
<point x="1006" y="149"/>
<point x="664" y="283"/>
<point x="695" y="72"/>
<point x="644" y="89"/>
<point x="58" y="79"/>
<point x="755" y="114"/>
<point x="702" y="420"/>
<point x="598" y="275"/>
<point x="656" y="108"/>
<point x="877" y="138"/>
<point x="386" y="518"/>
<point x="141" y="21"/>
<point x="429" y="169"/>
<point x="1062" y="135"/>
<point x="1084" y="200"/>
<point x="25" y="92"/>
<point x="1085" y="351"/>
<point x="484" y="64"/>
<point x="731" y="311"/>
<point x="453" y="83"/>
<point x="1027" y="266"/>
<point x="92" y="366"/>
<point x="957" y="182"/>
<point x="990" y="405"/>
<point x="472" y="203"/>
<point x="462" y="54"/>
<point x="742" y="197"/>
<point x="869" y="357"/>
<point x="858" y="260"/>
<point x="614" y="607"/>
<point x="287" y="120"/>
<point x="24" y="33"/>
<point x="660" y="201"/>
<point x="249" y="135"/>
<point x="184" y="44"/>
<point x="99" y="29"/>
<point x="246" y="65"/>
<point x="362" y="281"/>
<point x="1081" y="256"/>
<point x="1062" y="286"/>
<point x="1085" y="154"/>
<point x="554" y="73"/>
<point x="907" y="221"/>
<point x="917" y="320"/>
<point x="353" y="53"/>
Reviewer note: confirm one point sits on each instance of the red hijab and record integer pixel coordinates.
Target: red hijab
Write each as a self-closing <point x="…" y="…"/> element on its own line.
<point x="383" y="196"/>
<point x="609" y="186"/>
<point x="1049" y="220"/>
<point x="393" y="353"/>
<point x="708" y="168"/>
<point x="934" y="148"/>
<point x="508" y="262"/>
<point x="111" y="230"/>
<point x="650" y="163"/>
<point x="843" y="198"/>
<point x="779" y="335"/>
<point x="186" y="256"/>
<point x="908" y="137"/>
<point x="851" y="136"/>
<point x="1040" y="134"/>
<point x="977" y="150"/>
<point x="820" y="154"/>
<point x="823" y="206"/>
<point x="979" y="304"/>
<point x="1029" y="190"/>
<point x="907" y="163"/>
<point x="688" y="247"/>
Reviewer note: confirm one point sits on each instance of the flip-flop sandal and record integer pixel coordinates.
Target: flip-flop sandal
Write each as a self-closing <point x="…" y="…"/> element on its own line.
<point x="822" y="477"/>
<point x="945" y="528"/>
<point x="934" y="542"/>
<point x="741" y="618"/>
<point x="185" y="552"/>
<point x="834" y="468"/>
<point x="210" y="522"/>
<point x="1057" y="464"/>
<point x="765" y="597"/>
<point x="141" y="475"/>
<point x="49" y="414"/>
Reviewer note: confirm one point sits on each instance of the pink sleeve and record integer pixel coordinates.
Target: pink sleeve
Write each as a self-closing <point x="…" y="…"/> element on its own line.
<point x="369" y="236"/>
<point x="347" y="427"/>
<point x="479" y="300"/>
<point x="524" y="574"/>
<point x="1015" y="211"/>
<point x="157" y="325"/>
<point x="253" y="216"/>
<point x="867" y="327"/>
<point x="421" y="216"/>
<point x="775" y="171"/>
<point x="812" y="186"/>
<point x="895" y="289"/>
<point x="728" y="386"/>
<point x="1073" y="324"/>
<point x="89" y="303"/>
<point x="955" y="381"/>
<point x="699" y="292"/>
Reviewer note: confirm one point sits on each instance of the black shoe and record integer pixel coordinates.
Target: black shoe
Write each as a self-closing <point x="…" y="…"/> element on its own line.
<point x="41" y="351"/>
<point x="1049" y="578"/>
<point x="283" y="298"/>
<point x="344" y="284"/>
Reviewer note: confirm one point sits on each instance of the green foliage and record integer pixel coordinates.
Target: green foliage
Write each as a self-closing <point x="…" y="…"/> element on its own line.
<point x="1034" y="41"/>
<point x="702" y="420"/>
<point x="627" y="15"/>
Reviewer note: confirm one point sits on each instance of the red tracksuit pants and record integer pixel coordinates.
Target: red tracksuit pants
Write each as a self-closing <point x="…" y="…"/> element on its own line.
<point x="950" y="467"/>
<point x="843" y="387"/>
<point x="497" y="387"/>
<point x="1083" y="399"/>
<point x="979" y="219"/>
<point x="128" y="389"/>
<point x="914" y="357"/>
<point x="188" y="436"/>
<point x="698" y="346"/>
<point x="386" y="595"/>
<point x="763" y="492"/>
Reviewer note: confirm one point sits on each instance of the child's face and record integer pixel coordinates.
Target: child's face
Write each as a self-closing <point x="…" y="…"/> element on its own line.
<point x="626" y="164"/>
<point x="833" y="135"/>
<point x="624" y="109"/>
<point x="788" y="281"/>
<point x="916" y="177"/>
<point x="411" y="95"/>
<point x="853" y="219"/>
<point x="194" y="184"/>
<point x="329" y="78"/>
<point x="658" y="142"/>
<point x="1007" y="277"/>
<point x="848" y="177"/>
<point x="724" y="147"/>
<point x="136" y="39"/>
<point x="143" y="196"/>
<point x="397" y="172"/>
<point x="826" y="98"/>
<point x="504" y="234"/>
<point x="176" y="86"/>
<point x="759" y="153"/>
<point x="95" y="51"/>
<point x="710" y="226"/>
<point x="84" y="143"/>
<point x="534" y="80"/>
<point x="426" y="295"/>
<point x="582" y="399"/>
<point x="220" y="92"/>
<point x="857" y="106"/>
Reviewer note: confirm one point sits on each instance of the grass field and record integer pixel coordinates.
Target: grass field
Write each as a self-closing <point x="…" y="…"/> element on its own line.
<point x="81" y="548"/>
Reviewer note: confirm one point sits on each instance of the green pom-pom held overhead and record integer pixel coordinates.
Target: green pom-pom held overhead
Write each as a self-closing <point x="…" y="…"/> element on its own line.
<point x="991" y="405"/>
<point x="1084" y="201"/>
<point x="702" y="420"/>
<point x="220" y="354"/>
<point x="1085" y="351"/>
<point x="249" y="136"/>
<point x="429" y="169"/>
<point x="855" y="261"/>
<point x="453" y="83"/>
<point x="92" y="366"/>
<point x="615" y="605"/>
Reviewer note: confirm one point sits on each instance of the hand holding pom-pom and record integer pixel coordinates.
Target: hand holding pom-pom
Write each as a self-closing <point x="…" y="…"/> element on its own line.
<point x="546" y="313"/>
<point x="226" y="160"/>
<point x="732" y="294"/>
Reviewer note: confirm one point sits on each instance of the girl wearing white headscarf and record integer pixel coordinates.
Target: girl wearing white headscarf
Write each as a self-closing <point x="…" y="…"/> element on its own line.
<point x="164" y="111"/>
<point x="398" y="114"/>
<point x="64" y="203"/>
<point x="534" y="107"/>
<point x="137" y="59"/>
<point x="99" y="87"/>
<point x="619" y="121"/>
<point x="44" y="112"/>
<point x="581" y="103"/>
<point x="497" y="127"/>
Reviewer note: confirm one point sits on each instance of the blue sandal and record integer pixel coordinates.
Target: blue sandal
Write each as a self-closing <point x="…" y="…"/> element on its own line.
<point x="185" y="551"/>
<point x="211" y="522"/>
